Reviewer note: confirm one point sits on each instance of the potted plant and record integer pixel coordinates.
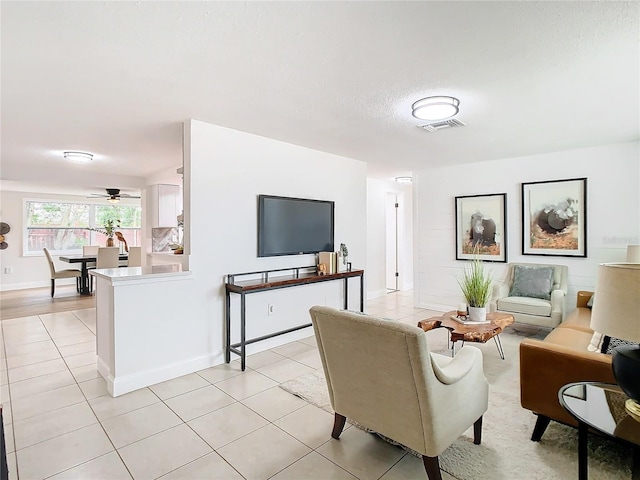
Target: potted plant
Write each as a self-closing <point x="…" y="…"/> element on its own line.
<point x="109" y="230"/>
<point x="476" y="288"/>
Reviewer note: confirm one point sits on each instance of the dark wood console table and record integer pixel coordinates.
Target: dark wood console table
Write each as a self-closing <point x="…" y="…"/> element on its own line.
<point x="272" y="280"/>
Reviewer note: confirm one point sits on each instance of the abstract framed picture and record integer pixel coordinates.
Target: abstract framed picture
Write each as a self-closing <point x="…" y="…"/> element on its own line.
<point x="481" y="227"/>
<point x="554" y="218"/>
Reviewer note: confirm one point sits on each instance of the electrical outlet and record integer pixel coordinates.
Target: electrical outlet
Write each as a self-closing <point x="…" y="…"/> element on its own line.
<point x="270" y="309"/>
<point x="8" y="269"/>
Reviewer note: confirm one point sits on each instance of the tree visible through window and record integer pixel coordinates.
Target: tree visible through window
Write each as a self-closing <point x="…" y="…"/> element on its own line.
<point x="63" y="227"/>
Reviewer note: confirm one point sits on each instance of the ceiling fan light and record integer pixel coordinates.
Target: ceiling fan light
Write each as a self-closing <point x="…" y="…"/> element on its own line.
<point x="79" y="157"/>
<point x="435" y="108"/>
<point x="113" y="200"/>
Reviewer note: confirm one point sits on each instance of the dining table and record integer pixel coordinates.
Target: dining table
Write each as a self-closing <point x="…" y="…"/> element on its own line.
<point x="86" y="260"/>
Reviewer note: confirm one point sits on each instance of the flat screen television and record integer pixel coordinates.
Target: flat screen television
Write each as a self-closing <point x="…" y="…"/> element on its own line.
<point x="293" y="226"/>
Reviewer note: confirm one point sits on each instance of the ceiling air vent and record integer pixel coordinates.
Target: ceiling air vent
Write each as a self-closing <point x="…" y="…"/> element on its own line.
<point x="442" y="125"/>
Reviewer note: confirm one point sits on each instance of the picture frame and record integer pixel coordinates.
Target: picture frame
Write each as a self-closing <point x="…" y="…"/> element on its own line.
<point x="554" y="218"/>
<point x="481" y="227"/>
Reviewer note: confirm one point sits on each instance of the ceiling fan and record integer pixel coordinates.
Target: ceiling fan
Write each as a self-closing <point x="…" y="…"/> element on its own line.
<point x="113" y="195"/>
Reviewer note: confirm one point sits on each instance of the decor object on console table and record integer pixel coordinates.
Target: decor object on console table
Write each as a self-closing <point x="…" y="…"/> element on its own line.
<point x="616" y="313"/>
<point x="343" y="253"/>
<point x="476" y="288"/>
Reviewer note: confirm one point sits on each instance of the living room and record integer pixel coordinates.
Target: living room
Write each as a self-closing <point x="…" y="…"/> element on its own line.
<point x="226" y="165"/>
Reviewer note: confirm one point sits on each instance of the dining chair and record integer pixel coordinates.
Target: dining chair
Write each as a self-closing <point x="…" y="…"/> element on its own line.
<point x="108" y="257"/>
<point x="135" y="257"/>
<point x="90" y="250"/>
<point x="55" y="274"/>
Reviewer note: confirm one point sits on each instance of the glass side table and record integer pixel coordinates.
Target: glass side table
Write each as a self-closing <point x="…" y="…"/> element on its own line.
<point x="600" y="406"/>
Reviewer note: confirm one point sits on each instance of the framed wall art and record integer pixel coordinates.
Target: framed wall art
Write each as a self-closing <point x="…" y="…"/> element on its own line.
<point x="481" y="227"/>
<point x="554" y="218"/>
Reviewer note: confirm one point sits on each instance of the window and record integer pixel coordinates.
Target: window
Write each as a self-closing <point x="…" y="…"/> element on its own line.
<point x="63" y="228"/>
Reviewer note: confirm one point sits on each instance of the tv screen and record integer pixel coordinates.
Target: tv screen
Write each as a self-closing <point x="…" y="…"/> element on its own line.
<point x="292" y="226"/>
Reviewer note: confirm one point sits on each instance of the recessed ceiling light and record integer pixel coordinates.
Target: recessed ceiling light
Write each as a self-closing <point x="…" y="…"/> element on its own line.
<point x="435" y="108"/>
<point x="78" y="156"/>
<point x="403" y="179"/>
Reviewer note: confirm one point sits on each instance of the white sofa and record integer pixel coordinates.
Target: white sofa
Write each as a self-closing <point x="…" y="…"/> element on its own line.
<point x="523" y="303"/>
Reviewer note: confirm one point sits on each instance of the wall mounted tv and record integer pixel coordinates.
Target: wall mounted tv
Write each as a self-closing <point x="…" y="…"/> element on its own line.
<point x="293" y="226"/>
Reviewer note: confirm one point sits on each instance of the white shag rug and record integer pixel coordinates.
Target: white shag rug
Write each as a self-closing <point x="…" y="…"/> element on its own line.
<point x="506" y="452"/>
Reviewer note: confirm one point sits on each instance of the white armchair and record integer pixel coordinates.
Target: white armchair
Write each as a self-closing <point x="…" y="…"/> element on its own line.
<point x="533" y="293"/>
<point x="381" y="374"/>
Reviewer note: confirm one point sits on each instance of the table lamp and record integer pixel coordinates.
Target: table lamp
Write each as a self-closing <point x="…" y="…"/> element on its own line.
<point x="616" y="313"/>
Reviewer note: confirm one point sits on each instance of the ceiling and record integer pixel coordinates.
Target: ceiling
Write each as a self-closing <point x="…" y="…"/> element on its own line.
<point x="119" y="78"/>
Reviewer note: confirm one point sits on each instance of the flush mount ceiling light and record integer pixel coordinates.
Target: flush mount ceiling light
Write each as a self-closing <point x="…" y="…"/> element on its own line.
<point x="78" y="156"/>
<point x="435" y="108"/>
<point x="403" y="179"/>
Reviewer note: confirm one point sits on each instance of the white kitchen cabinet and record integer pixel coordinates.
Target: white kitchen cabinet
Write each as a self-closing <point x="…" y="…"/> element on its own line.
<point x="165" y="204"/>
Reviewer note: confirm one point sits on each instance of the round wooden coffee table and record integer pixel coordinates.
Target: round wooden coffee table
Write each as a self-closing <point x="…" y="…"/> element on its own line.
<point x="470" y="332"/>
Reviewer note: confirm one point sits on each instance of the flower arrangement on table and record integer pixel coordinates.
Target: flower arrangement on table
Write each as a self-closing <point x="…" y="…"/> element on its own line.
<point x="109" y="231"/>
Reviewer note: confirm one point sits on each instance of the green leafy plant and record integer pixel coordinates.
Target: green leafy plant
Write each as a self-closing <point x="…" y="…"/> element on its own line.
<point x="109" y="228"/>
<point x="476" y="284"/>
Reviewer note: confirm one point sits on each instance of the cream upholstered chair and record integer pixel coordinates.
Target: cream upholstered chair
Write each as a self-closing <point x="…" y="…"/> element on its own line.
<point x="533" y="293"/>
<point x="135" y="257"/>
<point x="108" y="257"/>
<point x="55" y="274"/>
<point x="93" y="251"/>
<point x="381" y="374"/>
<point x="90" y="249"/>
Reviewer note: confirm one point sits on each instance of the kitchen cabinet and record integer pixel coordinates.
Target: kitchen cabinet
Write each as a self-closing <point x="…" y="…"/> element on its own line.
<point x="165" y="204"/>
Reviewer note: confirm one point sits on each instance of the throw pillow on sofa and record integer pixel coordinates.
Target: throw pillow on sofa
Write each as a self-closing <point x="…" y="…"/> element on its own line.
<point x="532" y="282"/>
<point x="610" y="343"/>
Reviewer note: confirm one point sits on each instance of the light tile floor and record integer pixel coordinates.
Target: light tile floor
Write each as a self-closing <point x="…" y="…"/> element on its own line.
<point x="219" y="423"/>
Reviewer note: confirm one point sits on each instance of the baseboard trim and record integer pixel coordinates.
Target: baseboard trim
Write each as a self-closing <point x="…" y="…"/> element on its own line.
<point x="128" y="383"/>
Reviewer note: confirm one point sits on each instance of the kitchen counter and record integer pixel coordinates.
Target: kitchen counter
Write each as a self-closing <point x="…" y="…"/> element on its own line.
<point x="144" y="334"/>
<point x="139" y="273"/>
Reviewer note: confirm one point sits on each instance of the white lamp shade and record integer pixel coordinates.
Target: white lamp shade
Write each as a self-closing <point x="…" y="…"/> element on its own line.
<point x="633" y="253"/>
<point x="616" y="303"/>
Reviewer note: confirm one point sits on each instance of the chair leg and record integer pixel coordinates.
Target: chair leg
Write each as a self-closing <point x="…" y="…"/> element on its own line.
<point x="338" y="425"/>
<point x="432" y="466"/>
<point x="53" y="287"/>
<point x="541" y="425"/>
<point x="477" y="431"/>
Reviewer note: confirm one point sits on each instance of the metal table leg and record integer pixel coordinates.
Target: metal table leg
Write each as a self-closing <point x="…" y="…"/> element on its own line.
<point x="499" y="345"/>
<point x="582" y="451"/>
<point x="346" y="293"/>
<point x="227" y="324"/>
<point x="243" y="339"/>
<point x="362" y="293"/>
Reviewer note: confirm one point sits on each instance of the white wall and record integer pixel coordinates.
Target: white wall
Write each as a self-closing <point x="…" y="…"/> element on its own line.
<point x="613" y="214"/>
<point x="376" y="236"/>
<point x="225" y="171"/>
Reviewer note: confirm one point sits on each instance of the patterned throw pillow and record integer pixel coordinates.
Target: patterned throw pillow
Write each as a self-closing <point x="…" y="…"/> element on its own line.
<point x="590" y="302"/>
<point x="532" y="282"/>
<point x="595" y="345"/>
<point x="610" y="343"/>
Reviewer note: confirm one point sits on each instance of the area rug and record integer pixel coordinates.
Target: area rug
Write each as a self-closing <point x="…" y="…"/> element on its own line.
<point x="506" y="451"/>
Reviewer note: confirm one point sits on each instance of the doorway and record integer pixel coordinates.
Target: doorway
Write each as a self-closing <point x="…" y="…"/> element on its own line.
<point x="391" y="209"/>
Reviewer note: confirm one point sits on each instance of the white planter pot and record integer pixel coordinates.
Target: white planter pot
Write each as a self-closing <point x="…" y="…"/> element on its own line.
<point x="478" y="314"/>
